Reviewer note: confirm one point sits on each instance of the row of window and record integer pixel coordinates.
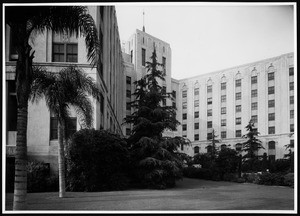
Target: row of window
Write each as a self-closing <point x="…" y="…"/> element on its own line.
<point x="238" y="83"/>
<point x="271" y="116"/>
<point x="238" y="133"/>
<point x="271" y="103"/>
<point x="238" y="95"/>
<point x="238" y="147"/>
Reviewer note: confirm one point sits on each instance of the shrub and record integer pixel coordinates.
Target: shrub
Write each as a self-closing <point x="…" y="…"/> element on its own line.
<point x="97" y="161"/>
<point x="200" y="173"/>
<point x="240" y="180"/>
<point x="230" y="177"/>
<point x="281" y="165"/>
<point x="251" y="177"/>
<point x="289" y="179"/>
<point x="39" y="179"/>
<point x="271" y="179"/>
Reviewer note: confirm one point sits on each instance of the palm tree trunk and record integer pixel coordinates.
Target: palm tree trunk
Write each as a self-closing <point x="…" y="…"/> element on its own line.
<point x="20" y="186"/>
<point x="23" y="81"/>
<point x="61" y="160"/>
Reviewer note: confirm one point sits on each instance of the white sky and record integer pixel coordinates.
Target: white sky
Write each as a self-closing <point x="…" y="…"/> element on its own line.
<point x="206" y="38"/>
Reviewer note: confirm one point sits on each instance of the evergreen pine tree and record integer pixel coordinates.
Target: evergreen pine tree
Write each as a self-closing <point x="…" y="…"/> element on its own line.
<point x="155" y="161"/>
<point x="252" y="145"/>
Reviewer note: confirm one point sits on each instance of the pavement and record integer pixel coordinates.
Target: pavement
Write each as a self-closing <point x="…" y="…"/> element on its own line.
<point x="188" y="195"/>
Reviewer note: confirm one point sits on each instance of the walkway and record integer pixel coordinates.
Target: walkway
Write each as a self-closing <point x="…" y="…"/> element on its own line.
<point x="190" y="194"/>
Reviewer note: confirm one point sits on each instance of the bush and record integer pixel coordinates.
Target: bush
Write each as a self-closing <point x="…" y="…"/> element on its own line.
<point x="230" y="177"/>
<point x="280" y="165"/>
<point x="271" y="179"/>
<point x="251" y="177"/>
<point x="97" y="161"/>
<point x="39" y="179"/>
<point x="200" y="173"/>
<point x="240" y="180"/>
<point x="289" y="180"/>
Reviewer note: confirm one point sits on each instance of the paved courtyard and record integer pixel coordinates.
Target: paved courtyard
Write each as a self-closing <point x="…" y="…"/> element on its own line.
<point x="190" y="194"/>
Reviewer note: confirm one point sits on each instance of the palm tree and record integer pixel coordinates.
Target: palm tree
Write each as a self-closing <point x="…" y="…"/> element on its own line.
<point x="24" y="22"/>
<point x="68" y="88"/>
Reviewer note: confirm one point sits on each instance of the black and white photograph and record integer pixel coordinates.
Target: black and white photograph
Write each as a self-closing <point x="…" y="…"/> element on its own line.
<point x="149" y="107"/>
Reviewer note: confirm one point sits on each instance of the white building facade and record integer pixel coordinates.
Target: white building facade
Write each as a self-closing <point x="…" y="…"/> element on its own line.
<point x="226" y="100"/>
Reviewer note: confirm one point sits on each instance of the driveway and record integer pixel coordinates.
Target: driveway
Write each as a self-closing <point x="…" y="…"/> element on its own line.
<point x="189" y="195"/>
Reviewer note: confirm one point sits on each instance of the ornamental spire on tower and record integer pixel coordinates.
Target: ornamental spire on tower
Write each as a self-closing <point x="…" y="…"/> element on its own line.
<point x="143" y="21"/>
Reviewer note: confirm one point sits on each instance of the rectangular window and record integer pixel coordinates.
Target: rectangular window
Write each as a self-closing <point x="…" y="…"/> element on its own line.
<point x="128" y="131"/>
<point x="291" y="114"/>
<point x="209" y="112"/>
<point x="184" y="116"/>
<point x="238" y="83"/>
<point x="223" y="122"/>
<point x="291" y="86"/>
<point x="184" y="127"/>
<point x="238" y="133"/>
<point x="164" y="62"/>
<point x="223" y="98"/>
<point x="254" y="118"/>
<point x="291" y="128"/>
<point x="223" y="110"/>
<point x="253" y="79"/>
<point x="238" y="96"/>
<point x="53" y="128"/>
<point x="209" y="101"/>
<point x="196" y="136"/>
<point x="271" y="116"/>
<point x="131" y="56"/>
<point x="164" y="101"/>
<point x="71" y="127"/>
<point x="238" y="121"/>
<point x="238" y="108"/>
<point x="223" y="134"/>
<point x="291" y="71"/>
<point x="128" y="93"/>
<point x="174" y="104"/>
<point x="164" y="89"/>
<point x="197" y="114"/>
<point x="196" y="103"/>
<point x="254" y="93"/>
<point x="272" y="130"/>
<point x="143" y="57"/>
<point x="291" y="99"/>
<point x="65" y="52"/>
<point x="196" y="91"/>
<point x="223" y="86"/>
<point x="271" y="76"/>
<point x="184" y="93"/>
<point x="128" y="80"/>
<point x="271" y="103"/>
<point x="174" y="94"/>
<point x="196" y="126"/>
<point x="271" y="90"/>
<point x="209" y="124"/>
<point x="254" y="106"/>
<point x="128" y="106"/>
<point x="101" y="103"/>
<point x="209" y="88"/>
<point x="209" y="136"/>
<point x="184" y="105"/>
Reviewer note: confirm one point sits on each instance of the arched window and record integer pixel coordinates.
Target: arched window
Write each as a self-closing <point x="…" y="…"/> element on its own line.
<point x="271" y="145"/>
<point x="223" y="146"/>
<point x="238" y="147"/>
<point x="209" y="148"/>
<point x="196" y="149"/>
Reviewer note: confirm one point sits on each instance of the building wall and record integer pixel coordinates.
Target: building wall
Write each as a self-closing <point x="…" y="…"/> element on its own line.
<point x="279" y="65"/>
<point x="109" y="76"/>
<point x="133" y="57"/>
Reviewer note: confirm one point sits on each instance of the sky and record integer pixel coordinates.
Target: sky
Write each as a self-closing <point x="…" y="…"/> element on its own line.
<point x="210" y="37"/>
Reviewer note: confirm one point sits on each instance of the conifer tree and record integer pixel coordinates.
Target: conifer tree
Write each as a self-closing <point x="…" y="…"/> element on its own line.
<point x="252" y="145"/>
<point x="155" y="161"/>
